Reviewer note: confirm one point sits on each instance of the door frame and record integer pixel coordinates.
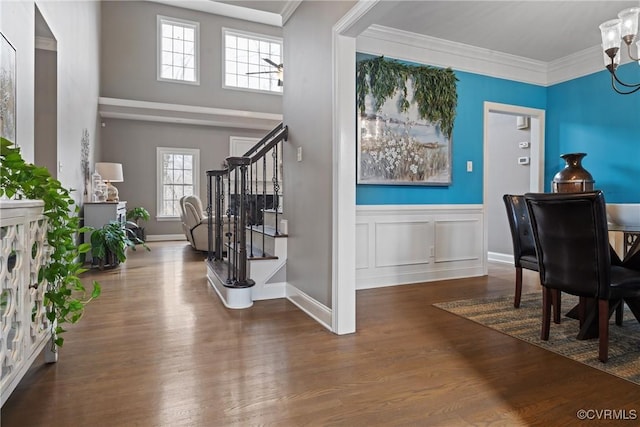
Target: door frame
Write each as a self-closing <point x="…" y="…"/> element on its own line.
<point x="536" y="178"/>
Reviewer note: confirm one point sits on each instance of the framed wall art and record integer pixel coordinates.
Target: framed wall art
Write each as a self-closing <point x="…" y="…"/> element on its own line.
<point x="7" y="89"/>
<point x="404" y="133"/>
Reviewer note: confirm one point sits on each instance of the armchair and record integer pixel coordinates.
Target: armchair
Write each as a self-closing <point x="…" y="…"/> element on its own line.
<point x="195" y="222"/>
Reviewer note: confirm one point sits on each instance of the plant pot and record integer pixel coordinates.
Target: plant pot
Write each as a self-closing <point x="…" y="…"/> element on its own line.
<point x="110" y="261"/>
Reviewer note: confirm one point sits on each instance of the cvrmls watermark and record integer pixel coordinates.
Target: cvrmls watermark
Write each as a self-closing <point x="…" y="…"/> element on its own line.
<point x="607" y="414"/>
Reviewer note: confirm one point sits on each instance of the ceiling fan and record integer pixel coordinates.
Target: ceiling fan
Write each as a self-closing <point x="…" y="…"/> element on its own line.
<point x="279" y="69"/>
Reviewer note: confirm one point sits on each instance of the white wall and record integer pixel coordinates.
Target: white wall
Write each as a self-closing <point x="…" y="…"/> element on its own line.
<point x="307" y="110"/>
<point x="503" y="152"/>
<point x="76" y="27"/>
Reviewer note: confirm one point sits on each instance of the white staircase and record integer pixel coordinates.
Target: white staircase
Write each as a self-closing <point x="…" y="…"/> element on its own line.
<point x="267" y="268"/>
<point x="269" y="272"/>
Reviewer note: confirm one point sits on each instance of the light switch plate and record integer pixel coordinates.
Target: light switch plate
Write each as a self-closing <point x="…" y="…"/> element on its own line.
<point x="299" y="154"/>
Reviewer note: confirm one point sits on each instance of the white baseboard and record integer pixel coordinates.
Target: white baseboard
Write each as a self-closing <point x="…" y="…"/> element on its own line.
<point x="317" y="311"/>
<point x="498" y="257"/>
<point x="400" y="278"/>
<point x="165" y="237"/>
<point x="269" y="291"/>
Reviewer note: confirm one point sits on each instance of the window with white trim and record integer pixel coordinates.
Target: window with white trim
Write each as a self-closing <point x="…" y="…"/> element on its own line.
<point x="178" y="175"/>
<point x="244" y="61"/>
<point x="178" y="50"/>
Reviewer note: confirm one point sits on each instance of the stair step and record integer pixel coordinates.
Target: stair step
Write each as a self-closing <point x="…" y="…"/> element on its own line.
<point x="221" y="270"/>
<point x="267" y="230"/>
<point x="257" y="252"/>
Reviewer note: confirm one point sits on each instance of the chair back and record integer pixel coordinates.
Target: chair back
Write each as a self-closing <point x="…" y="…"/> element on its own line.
<point x="572" y="241"/>
<point x="520" y="226"/>
<point x="193" y="211"/>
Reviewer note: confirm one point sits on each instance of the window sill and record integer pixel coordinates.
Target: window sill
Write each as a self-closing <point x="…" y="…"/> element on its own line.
<point x="167" y="218"/>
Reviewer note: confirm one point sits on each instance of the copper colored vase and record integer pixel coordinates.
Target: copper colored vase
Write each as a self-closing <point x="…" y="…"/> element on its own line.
<point x="573" y="178"/>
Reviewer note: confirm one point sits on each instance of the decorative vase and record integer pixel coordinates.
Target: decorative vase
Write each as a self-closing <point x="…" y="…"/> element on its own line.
<point x="573" y="178"/>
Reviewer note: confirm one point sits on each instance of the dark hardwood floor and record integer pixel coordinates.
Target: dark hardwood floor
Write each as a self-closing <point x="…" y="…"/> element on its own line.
<point x="159" y="349"/>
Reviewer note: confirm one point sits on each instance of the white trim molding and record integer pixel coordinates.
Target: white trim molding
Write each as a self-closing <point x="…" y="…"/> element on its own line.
<point x="165" y="237"/>
<point x="229" y="10"/>
<point x="46" y="43"/>
<point x="408" y="46"/>
<point x="402" y="244"/>
<point x="288" y="9"/>
<point x="379" y="40"/>
<point x="131" y="109"/>
<point x="317" y="311"/>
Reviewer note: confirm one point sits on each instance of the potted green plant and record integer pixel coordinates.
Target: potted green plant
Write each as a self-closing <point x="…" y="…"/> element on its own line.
<point x="65" y="297"/>
<point x="109" y="244"/>
<point x="136" y="215"/>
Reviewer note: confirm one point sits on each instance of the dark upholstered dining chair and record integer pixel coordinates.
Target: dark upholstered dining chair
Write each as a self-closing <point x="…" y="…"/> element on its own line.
<point x="524" y="249"/>
<point x="572" y="243"/>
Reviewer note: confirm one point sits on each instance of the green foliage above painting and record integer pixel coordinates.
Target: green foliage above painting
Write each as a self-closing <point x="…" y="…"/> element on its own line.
<point x="434" y="89"/>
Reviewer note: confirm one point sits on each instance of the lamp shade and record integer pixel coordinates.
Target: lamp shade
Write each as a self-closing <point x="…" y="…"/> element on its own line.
<point x="629" y="22"/>
<point x="610" y="32"/>
<point x="110" y="171"/>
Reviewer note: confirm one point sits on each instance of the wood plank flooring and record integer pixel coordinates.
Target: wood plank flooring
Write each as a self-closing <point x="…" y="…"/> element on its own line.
<point x="159" y="349"/>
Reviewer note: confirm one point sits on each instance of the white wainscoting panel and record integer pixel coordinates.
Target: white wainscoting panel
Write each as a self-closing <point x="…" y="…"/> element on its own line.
<point x="402" y="244"/>
<point x="458" y="240"/>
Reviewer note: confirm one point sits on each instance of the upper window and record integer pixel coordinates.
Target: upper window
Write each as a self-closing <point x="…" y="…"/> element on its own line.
<point x="178" y="50"/>
<point x="178" y="175"/>
<point x="252" y="61"/>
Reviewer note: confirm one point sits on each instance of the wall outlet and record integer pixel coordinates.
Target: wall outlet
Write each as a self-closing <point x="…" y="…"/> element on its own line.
<point x="523" y="160"/>
<point x="469" y="166"/>
<point x="523" y="144"/>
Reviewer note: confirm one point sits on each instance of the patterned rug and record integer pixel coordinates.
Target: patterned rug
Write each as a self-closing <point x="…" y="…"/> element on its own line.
<point x="524" y="323"/>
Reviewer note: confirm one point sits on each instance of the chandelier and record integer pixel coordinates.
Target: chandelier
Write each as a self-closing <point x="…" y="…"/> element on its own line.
<point x="625" y="28"/>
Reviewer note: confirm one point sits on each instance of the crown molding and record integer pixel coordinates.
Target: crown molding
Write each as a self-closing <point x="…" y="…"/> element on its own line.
<point x="579" y="64"/>
<point x="228" y="10"/>
<point x="288" y="10"/>
<point x="46" y="43"/>
<point x="409" y="46"/>
<point x="404" y="45"/>
<point x="131" y="109"/>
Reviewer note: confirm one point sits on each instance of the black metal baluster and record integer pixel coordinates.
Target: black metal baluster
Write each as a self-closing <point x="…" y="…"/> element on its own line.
<point x="276" y="185"/>
<point x="264" y="199"/>
<point x="252" y="206"/>
<point x="235" y="225"/>
<point x="219" y="198"/>
<point x="210" y="255"/>
<point x="229" y="247"/>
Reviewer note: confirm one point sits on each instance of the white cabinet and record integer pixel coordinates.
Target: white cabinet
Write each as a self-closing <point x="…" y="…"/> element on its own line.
<point x="97" y="214"/>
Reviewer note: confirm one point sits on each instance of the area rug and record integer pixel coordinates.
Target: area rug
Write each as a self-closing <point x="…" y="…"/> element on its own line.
<point x="524" y="323"/>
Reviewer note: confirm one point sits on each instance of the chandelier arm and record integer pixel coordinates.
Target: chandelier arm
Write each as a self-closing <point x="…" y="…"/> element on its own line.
<point x="614" y="76"/>
<point x="613" y="85"/>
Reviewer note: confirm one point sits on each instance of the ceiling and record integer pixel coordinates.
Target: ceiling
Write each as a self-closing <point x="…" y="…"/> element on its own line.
<point x="538" y="30"/>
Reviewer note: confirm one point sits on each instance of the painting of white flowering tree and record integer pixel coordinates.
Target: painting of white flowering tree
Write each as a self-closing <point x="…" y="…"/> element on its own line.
<point x="402" y="141"/>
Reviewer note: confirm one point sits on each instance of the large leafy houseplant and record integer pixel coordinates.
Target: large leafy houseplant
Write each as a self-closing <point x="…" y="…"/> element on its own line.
<point x="109" y="244"/>
<point x="65" y="296"/>
<point x="136" y="215"/>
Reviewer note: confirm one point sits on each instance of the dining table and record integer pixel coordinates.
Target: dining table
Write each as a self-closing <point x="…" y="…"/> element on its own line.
<point x="630" y="259"/>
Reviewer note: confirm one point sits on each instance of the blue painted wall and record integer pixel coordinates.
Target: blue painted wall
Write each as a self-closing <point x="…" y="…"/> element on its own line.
<point x="582" y="115"/>
<point x="586" y="115"/>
